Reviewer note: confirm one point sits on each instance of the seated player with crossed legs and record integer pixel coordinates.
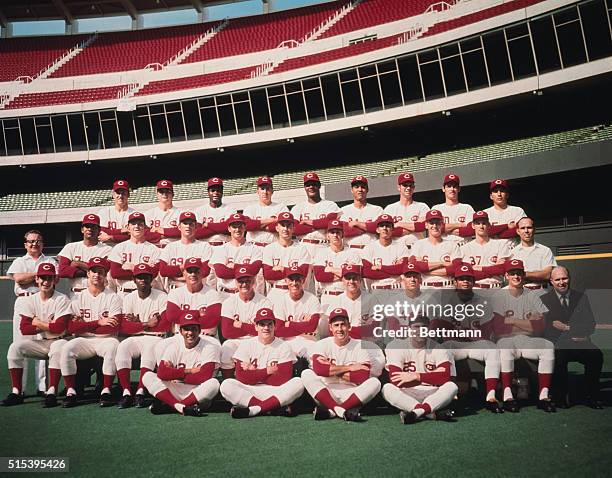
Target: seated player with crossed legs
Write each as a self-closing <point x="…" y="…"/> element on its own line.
<point x="45" y="315"/>
<point x="184" y="381"/>
<point x="264" y="369"/>
<point x="420" y="373"/>
<point x="339" y="380"/>
<point x="144" y="323"/>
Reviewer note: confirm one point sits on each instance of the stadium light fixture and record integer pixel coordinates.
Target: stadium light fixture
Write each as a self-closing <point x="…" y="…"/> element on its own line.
<point x="153" y="156"/>
<point x="290" y="140"/>
<point x="446" y="113"/>
<point x="220" y="150"/>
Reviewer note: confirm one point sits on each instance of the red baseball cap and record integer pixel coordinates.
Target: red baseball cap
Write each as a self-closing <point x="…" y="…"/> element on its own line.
<point x="351" y="269"/>
<point x="193" y="262"/>
<point x="335" y="224"/>
<point x="480" y="215"/>
<point x="236" y="217"/>
<point x="311" y="176"/>
<point x="293" y="271"/>
<point x="187" y="215"/>
<point x="215" y="182"/>
<point x="514" y="265"/>
<point x="359" y="179"/>
<point x="451" y="178"/>
<point x="46" y="269"/>
<point x="91" y="219"/>
<point x="165" y="184"/>
<point x="498" y="183"/>
<point x="189" y="317"/>
<point x="98" y="262"/>
<point x="405" y="178"/>
<point x="410" y="267"/>
<point x="434" y="214"/>
<point x="243" y="270"/>
<point x="136" y="216"/>
<point x="384" y="218"/>
<point x="285" y="217"/>
<point x="464" y="270"/>
<point x="338" y="313"/>
<point x="264" y="180"/>
<point x="121" y="184"/>
<point x="264" y="314"/>
<point x="142" y="268"/>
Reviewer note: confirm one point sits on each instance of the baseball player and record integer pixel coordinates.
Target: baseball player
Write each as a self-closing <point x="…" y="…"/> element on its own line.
<point x="434" y="255"/>
<point x="126" y="255"/>
<point x="283" y="253"/>
<point x="501" y="213"/>
<point x="184" y="381"/>
<point x="408" y="214"/>
<point x="383" y="259"/>
<point x="486" y="255"/>
<point x="264" y="369"/>
<point x="95" y="325"/>
<point x="472" y="312"/>
<point x="73" y="258"/>
<point x="265" y="211"/>
<point x="23" y="271"/>
<point x="298" y="313"/>
<point x="163" y="218"/>
<point x="420" y="373"/>
<point x="328" y="263"/>
<point x="520" y="318"/>
<point x="114" y="219"/>
<point x="537" y="258"/>
<point x="360" y="306"/>
<point x="237" y="251"/>
<point x="45" y="315"/>
<point x="145" y="324"/>
<point x="215" y="214"/>
<point x="237" y="314"/>
<point x="174" y="255"/>
<point x="455" y="214"/>
<point x="340" y="379"/>
<point x="313" y="215"/>
<point x="359" y="213"/>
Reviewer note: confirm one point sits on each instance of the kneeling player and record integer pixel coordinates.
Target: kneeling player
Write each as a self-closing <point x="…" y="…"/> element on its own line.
<point x="264" y="366"/>
<point x="419" y="370"/>
<point x="184" y="381"/>
<point x="340" y="379"/>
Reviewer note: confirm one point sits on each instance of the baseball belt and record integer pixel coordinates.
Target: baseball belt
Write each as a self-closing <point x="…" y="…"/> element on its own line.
<point x="25" y="294"/>
<point x="127" y="291"/>
<point x="332" y="292"/>
<point x="281" y="286"/>
<point x="216" y="243"/>
<point x="229" y="291"/>
<point x="438" y="283"/>
<point x="260" y="244"/>
<point x="387" y="286"/>
<point x="315" y="241"/>
<point x="486" y="286"/>
<point x="78" y="289"/>
<point x="356" y="246"/>
<point x="535" y="286"/>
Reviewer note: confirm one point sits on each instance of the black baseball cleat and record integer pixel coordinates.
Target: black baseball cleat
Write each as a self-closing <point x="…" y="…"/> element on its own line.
<point x="41" y="393"/>
<point x="126" y="402"/>
<point x="106" y="400"/>
<point x="140" y="401"/>
<point x="407" y="418"/>
<point x="352" y="415"/>
<point x="160" y="408"/>
<point x="50" y="401"/>
<point x="494" y="407"/>
<point x="511" y="406"/>
<point x="286" y="411"/>
<point x="12" y="399"/>
<point x="192" y="411"/>
<point x="70" y="401"/>
<point x="321" y="413"/>
<point x="239" y="412"/>
<point x="445" y="415"/>
<point x="547" y="405"/>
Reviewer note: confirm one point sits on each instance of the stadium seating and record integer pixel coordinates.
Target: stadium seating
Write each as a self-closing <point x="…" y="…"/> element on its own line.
<point x="47" y="98"/>
<point x="291" y="180"/>
<point x="28" y="56"/>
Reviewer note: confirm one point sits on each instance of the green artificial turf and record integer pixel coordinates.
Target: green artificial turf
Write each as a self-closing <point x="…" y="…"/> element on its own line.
<point x="109" y="442"/>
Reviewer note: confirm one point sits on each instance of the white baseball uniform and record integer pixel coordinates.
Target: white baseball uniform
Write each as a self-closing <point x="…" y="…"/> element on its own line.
<point x="425" y="250"/>
<point x="290" y="310"/>
<point x="207" y="213"/>
<point x="413" y="212"/>
<point x="89" y="344"/>
<point x="368" y="213"/>
<point x="177" y="252"/>
<point x="135" y="253"/>
<point x="327" y="257"/>
<point x="379" y="255"/>
<point x="275" y="255"/>
<point x="401" y="356"/>
<point x="228" y="255"/>
<point x="535" y="258"/>
<point x="455" y="213"/>
<point x="112" y="219"/>
<point x="486" y="254"/>
<point x="78" y="251"/>
<point x="261" y="211"/>
<point x="305" y="211"/>
<point x="156" y="217"/>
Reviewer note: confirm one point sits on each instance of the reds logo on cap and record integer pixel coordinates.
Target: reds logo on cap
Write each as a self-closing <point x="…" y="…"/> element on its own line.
<point x="359" y="179"/>
<point x="91" y="219"/>
<point x="285" y="216"/>
<point x="187" y="215"/>
<point x="237" y="217"/>
<point x="293" y="271"/>
<point x="264" y="314"/>
<point x="46" y="269"/>
<point x="215" y="182"/>
<point x="143" y="268"/>
<point x="98" y="262"/>
<point x="384" y="218"/>
<point x="465" y="270"/>
<point x="515" y="265"/>
<point x="498" y="183"/>
<point x="410" y="267"/>
<point x="312" y="176"/>
<point x="193" y="262"/>
<point x="480" y="215"/>
<point x="405" y="178"/>
<point x="433" y="214"/>
<point x="120" y="184"/>
<point x="351" y="269"/>
<point x="335" y="224"/>
<point x="338" y="312"/>
<point x="164" y="184"/>
<point x="243" y="271"/>
<point x="264" y="180"/>
<point x="451" y="178"/>
<point x="188" y="316"/>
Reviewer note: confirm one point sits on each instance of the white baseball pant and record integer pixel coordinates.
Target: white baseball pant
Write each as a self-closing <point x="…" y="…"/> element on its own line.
<point x="41" y="372"/>
<point x="408" y="398"/>
<point x="87" y="347"/>
<point x="340" y="392"/>
<point x="133" y="347"/>
<point x="36" y="348"/>
<point x="531" y="348"/>
<point x="204" y="391"/>
<point x="481" y="350"/>
<point x="240" y="394"/>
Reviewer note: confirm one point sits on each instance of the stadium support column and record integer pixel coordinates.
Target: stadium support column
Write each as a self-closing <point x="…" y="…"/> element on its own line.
<point x="266" y="6"/>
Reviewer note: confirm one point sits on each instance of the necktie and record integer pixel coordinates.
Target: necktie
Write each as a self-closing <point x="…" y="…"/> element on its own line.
<point x="564" y="302"/>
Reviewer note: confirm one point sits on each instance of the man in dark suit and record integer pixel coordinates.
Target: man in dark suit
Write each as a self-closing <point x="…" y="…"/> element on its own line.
<point x="569" y="325"/>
